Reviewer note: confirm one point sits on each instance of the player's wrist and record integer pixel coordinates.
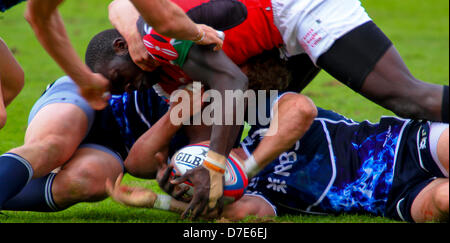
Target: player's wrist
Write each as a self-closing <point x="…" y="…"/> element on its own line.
<point x="215" y="162"/>
<point x="251" y="167"/>
<point x="200" y="35"/>
<point x="162" y="202"/>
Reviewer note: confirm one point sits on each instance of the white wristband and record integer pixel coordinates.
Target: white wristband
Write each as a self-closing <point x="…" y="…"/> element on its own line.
<point x="162" y="202"/>
<point x="251" y="167"/>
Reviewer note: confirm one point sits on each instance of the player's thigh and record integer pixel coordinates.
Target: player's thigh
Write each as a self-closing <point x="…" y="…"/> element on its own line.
<point x="58" y="119"/>
<point x="431" y="199"/>
<point x="59" y="114"/>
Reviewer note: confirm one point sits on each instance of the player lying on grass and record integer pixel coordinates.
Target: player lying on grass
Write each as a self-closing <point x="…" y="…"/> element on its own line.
<point x="396" y="168"/>
<point x="11" y="80"/>
<point x="338" y="36"/>
<point x="61" y="120"/>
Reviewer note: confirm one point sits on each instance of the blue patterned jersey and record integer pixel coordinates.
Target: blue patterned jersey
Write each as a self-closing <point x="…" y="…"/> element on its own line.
<point x="314" y="176"/>
<point x="136" y="112"/>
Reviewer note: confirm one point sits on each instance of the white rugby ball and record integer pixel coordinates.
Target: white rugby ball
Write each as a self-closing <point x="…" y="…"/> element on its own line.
<point x="193" y="155"/>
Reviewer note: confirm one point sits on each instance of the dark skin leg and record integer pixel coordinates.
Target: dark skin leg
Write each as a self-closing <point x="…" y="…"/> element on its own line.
<point x="391" y="85"/>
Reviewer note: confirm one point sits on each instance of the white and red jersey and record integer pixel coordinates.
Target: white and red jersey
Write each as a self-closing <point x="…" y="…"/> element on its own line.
<point x="249" y="31"/>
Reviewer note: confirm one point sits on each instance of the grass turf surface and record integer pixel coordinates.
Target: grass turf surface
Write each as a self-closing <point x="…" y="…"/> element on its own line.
<point x="418" y="29"/>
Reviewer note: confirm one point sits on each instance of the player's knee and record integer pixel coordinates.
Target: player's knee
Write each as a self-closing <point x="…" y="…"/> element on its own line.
<point x="441" y="199"/>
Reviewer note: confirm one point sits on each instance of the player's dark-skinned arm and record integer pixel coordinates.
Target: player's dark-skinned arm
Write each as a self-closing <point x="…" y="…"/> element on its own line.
<point x="218" y="72"/>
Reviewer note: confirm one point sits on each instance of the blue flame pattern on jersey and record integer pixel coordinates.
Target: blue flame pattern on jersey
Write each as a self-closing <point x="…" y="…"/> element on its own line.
<point x="370" y="191"/>
<point x="136" y="112"/>
<point x="119" y="105"/>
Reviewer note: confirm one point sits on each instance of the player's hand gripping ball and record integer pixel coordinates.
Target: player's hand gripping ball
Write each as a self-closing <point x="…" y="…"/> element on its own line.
<point x="193" y="155"/>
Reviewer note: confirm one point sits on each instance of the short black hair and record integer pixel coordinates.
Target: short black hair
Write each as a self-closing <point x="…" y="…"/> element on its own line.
<point x="100" y="49"/>
<point x="267" y="71"/>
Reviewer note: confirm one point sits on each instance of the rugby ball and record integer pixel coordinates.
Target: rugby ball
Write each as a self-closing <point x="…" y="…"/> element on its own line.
<point x="193" y="155"/>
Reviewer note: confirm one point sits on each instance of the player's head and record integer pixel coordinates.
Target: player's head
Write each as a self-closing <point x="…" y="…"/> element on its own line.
<point x="267" y="71"/>
<point x="107" y="53"/>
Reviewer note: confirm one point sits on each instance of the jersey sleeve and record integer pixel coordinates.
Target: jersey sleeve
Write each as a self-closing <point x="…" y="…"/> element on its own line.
<point x="182" y="47"/>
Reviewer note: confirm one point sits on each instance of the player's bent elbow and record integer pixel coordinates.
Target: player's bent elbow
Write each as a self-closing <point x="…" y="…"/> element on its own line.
<point x="307" y="108"/>
<point x="305" y="112"/>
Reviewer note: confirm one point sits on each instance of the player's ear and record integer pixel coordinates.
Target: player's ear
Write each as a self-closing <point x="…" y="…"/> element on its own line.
<point x="120" y="46"/>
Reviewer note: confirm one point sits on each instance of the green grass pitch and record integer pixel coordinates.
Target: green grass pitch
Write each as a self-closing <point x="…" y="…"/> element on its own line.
<point x="419" y="30"/>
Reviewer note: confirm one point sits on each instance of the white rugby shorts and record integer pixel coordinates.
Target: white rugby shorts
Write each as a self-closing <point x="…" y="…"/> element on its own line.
<point x="312" y="26"/>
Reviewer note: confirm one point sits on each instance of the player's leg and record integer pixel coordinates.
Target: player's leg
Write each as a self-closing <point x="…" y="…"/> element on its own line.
<point x="432" y="203"/>
<point x="391" y="85"/>
<point x="292" y="115"/>
<point x="340" y="37"/>
<point x="248" y="205"/>
<point x="82" y="179"/>
<point x="366" y="61"/>
<point x="59" y="121"/>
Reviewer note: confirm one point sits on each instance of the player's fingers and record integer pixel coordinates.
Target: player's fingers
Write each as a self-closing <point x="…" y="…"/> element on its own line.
<point x="118" y="180"/>
<point x="199" y="209"/>
<point x="220" y="205"/>
<point x="181" y="179"/>
<point x="179" y="194"/>
<point x="165" y="177"/>
<point x="188" y="212"/>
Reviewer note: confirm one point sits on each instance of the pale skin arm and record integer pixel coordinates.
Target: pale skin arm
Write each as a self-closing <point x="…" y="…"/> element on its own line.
<point x="123" y="15"/>
<point x="145" y="198"/>
<point x="49" y="28"/>
<point x="169" y="19"/>
<point x="11" y="79"/>
<point x="150" y="150"/>
<point x="293" y="115"/>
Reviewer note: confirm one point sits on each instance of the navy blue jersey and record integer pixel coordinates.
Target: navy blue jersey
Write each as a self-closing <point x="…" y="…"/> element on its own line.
<point x="136" y="112"/>
<point x="338" y="166"/>
<point x="6" y="4"/>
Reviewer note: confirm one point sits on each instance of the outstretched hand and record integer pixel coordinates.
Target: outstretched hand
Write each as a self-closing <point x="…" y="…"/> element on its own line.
<point x="130" y="196"/>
